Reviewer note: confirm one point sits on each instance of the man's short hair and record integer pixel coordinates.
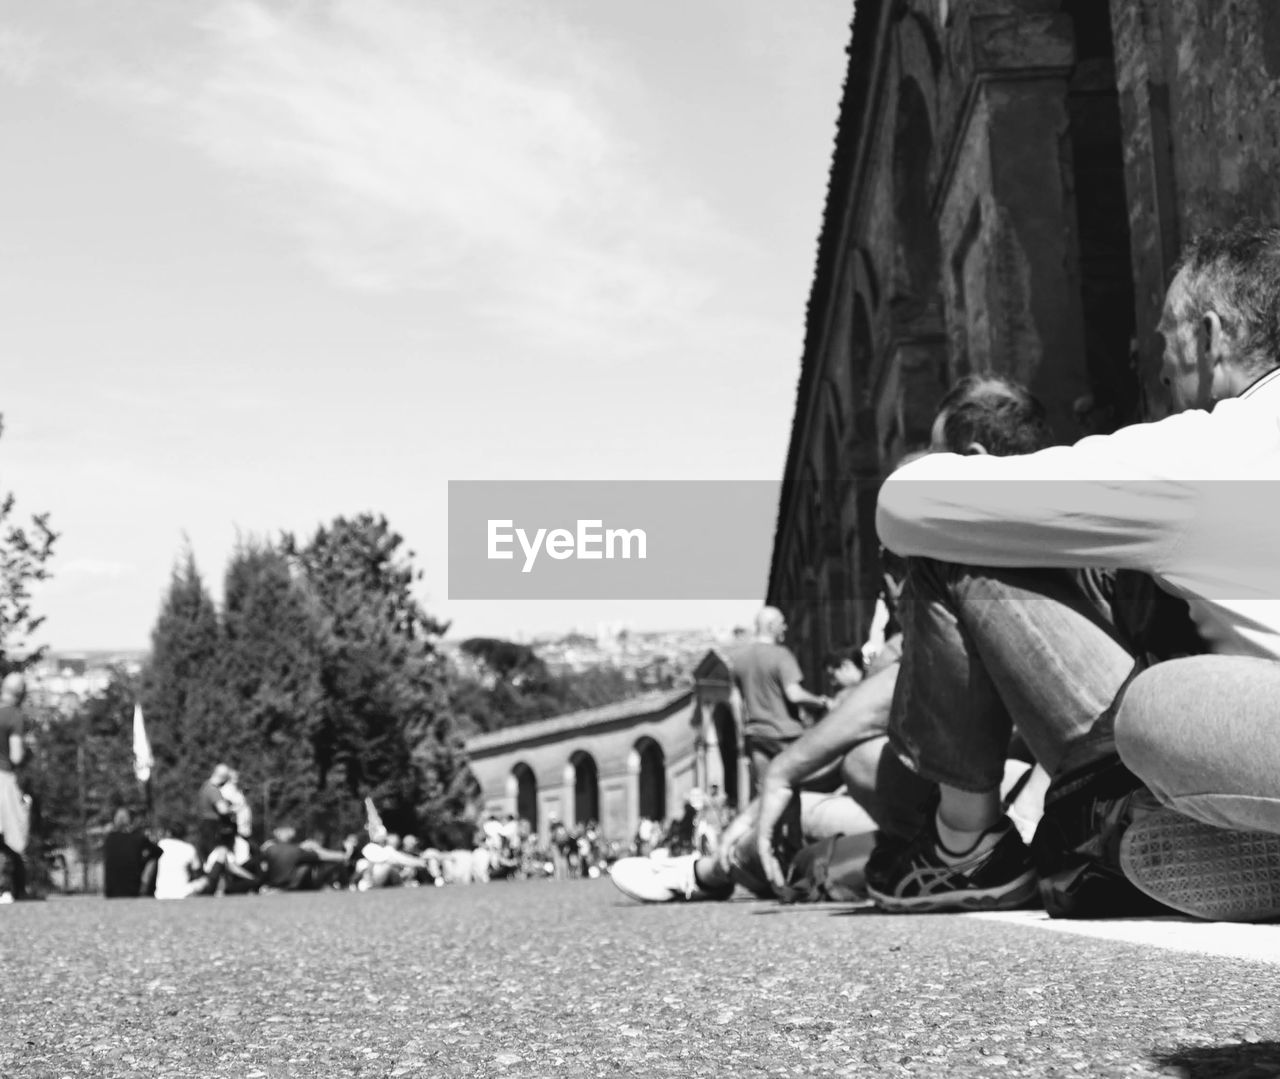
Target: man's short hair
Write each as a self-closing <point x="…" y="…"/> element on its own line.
<point x="1236" y="272"/>
<point x="1001" y="415"/>
<point x="837" y="657"/>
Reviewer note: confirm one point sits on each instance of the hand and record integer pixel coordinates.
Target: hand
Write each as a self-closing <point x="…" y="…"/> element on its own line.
<point x="774" y="799"/>
<point x="739" y="827"/>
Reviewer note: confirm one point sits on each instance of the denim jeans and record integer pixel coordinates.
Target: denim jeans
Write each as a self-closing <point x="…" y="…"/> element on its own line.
<point x="988" y="649"/>
<point x="1204" y="734"/>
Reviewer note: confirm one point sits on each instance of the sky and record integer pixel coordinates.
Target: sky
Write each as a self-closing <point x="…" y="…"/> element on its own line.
<point x="269" y="263"/>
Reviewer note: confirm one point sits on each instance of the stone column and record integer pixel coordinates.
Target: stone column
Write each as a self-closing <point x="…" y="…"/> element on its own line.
<point x="569" y="811"/>
<point x="1011" y="277"/>
<point x="633" y="793"/>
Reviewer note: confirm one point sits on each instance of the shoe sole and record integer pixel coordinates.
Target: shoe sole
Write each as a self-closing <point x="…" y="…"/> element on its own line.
<point x="1017" y="893"/>
<point x="1212" y="873"/>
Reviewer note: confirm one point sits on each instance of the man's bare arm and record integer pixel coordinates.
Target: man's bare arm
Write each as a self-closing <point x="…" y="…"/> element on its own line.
<point x="17" y="749"/>
<point x="838" y="732"/>
<point x="797" y="694"/>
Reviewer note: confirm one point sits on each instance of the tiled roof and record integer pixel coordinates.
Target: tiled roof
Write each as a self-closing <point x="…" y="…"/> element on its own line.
<point x="635" y="708"/>
<point x="864" y="32"/>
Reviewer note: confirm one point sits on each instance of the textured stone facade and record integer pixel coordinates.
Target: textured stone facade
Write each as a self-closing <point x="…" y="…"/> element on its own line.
<point x="1011" y="183"/>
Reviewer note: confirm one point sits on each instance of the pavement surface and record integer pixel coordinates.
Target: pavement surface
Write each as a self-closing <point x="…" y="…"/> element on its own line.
<point x="572" y="979"/>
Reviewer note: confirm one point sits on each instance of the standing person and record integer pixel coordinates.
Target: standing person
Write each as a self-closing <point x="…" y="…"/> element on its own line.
<point x="769" y="679"/>
<point x="213" y="811"/>
<point x="15" y="816"/>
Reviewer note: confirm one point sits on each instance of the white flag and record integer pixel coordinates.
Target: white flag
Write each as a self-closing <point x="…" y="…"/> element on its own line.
<point x="142" y="759"/>
<point x="373" y="822"/>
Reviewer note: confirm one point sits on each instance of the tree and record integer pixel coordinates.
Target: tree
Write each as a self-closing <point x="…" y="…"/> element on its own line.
<point x="518" y="688"/>
<point x="24" y="557"/>
<point x="384" y="729"/>
<point x="93" y="745"/>
<point x="267" y="691"/>
<point x="178" y="686"/>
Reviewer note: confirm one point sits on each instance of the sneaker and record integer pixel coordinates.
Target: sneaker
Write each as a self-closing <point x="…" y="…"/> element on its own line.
<point x="662" y="880"/>
<point x="6" y="897"/>
<point x="921" y="880"/>
<point x="1207" y="872"/>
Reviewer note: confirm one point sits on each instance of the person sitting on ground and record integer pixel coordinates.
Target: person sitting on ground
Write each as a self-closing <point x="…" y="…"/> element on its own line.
<point x="1008" y="635"/>
<point x="981" y="414"/>
<point x="180" y="873"/>
<point x="126" y="854"/>
<point x="290" y="866"/>
<point x="381" y="865"/>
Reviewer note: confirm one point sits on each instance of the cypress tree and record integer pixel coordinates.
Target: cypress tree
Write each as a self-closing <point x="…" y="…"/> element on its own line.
<point x="177" y="683"/>
<point x="267" y="693"/>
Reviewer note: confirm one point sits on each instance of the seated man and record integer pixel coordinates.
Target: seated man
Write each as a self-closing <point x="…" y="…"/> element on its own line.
<point x="126" y="852"/>
<point x="981" y="415"/>
<point x="180" y="873"/>
<point x="1007" y="634"/>
<point x="382" y="865"/>
<point x="290" y="866"/>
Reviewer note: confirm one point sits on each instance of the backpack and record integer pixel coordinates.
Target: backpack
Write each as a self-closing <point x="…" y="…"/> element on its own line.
<point x="1076" y="847"/>
<point x="1094" y="797"/>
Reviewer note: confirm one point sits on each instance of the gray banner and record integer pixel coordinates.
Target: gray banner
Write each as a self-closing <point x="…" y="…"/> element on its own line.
<point x="643" y="539"/>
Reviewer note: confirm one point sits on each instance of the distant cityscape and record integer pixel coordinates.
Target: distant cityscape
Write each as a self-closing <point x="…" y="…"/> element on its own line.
<point x="648" y="659"/>
<point x="65" y="680"/>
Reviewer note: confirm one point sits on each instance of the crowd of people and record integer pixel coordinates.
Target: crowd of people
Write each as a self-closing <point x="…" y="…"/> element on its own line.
<point x="220" y="857"/>
<point x="1075" y="698"/>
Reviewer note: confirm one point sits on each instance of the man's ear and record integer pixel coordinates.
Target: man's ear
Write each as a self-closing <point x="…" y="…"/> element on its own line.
<point x="1213" y="340"/>
<point x="976" y="448"/>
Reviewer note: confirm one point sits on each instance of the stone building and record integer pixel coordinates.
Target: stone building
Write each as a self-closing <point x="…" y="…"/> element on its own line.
<point x="1011" y="184"/>
<point x="618" y="763"/>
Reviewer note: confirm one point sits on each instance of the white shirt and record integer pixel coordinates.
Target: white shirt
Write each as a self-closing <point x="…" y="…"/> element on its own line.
<point x="1193" y="500"/>
<point x="178" y="861"/>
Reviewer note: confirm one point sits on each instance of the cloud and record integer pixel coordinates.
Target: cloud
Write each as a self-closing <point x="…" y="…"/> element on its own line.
<point x="475" y="153"/>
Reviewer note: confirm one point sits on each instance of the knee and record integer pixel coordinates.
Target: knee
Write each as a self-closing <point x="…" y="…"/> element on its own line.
<point x="859" y="767"/>
<point x="1137" y="725"/>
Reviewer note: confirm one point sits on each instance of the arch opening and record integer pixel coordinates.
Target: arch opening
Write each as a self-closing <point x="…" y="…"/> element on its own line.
<point x="653" y="780"/>
<point x="586" y="788"/>
<point x="526" y="794"/>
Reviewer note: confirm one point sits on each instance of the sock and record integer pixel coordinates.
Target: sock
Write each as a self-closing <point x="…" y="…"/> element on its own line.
<point x="955" y="844"/>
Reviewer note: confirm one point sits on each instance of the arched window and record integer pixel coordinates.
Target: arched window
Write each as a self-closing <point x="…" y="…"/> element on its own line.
<point x="526" y="794"/>
<point x="653" y="780"/>
<point x="586" y="788"/>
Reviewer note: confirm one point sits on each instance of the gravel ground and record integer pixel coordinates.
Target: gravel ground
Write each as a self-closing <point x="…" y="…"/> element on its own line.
<point x="551" y="979"/>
